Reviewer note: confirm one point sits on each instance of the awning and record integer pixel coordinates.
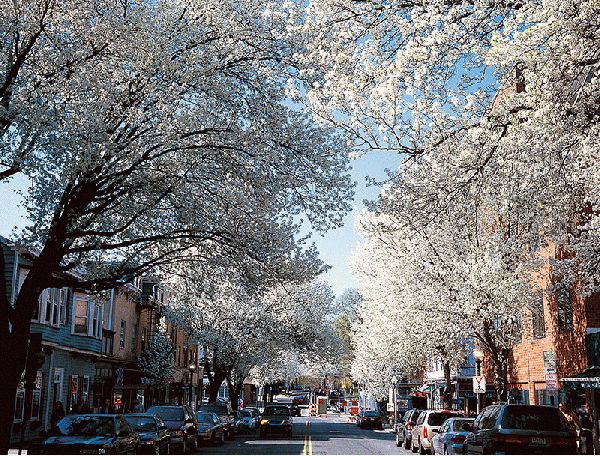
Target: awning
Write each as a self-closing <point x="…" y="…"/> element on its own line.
<point x="589" y="378"/>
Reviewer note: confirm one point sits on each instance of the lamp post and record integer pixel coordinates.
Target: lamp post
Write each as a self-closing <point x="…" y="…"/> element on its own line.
<point x="192" y="368"/>
<point x="394" y="383"/>
<point x="478" y="354"/>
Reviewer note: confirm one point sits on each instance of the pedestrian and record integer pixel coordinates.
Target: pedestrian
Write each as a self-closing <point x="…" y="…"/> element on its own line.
<point x="58" y="413"/>
<point x="83" y="406"/>
<point x="107" y="407"/>
<point x="137" y="407"/>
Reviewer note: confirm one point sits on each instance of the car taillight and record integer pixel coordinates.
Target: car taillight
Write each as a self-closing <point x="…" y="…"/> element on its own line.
<point x="409" y="426"/>
<point x="458" y="439"/>
<point x="515" y="439"/>
<point x="424" y="432"/>
<point x="562" y="441"/>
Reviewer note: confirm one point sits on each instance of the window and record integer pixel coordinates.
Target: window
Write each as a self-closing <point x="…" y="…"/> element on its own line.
<point x="81" y="316"/>
<point x="63" y="306"/>
<point x="107" y="343"/>
<point x="19" y="405"/>
<point x="564" y="305"/>
<point x="35" y="405"/>
<point x="122" y="334"/>
<point x="57" y="380"/>
<point x="97" y="321"/>
<point x="537" y="317"/>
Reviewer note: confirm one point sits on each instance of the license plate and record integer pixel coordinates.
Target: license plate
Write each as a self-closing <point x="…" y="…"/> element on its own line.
<point x="538" y="441"/>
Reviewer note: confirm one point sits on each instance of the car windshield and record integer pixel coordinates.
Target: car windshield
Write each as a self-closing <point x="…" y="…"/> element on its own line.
<point x="87" y="425"/>
<point x="534" y="418"/>
<point x="463" y="425"/>
<point x="437" y="419"/>
<point x="141" y="423"/>
<point x="370" y="413"/>
<point x="245" y="414"/>
<point x="277" y="411"/>
<point x="218" y="409"/>
<point x="414" y="416"/>
<point x="206" y="418"/>
<point x="168" y="413"/>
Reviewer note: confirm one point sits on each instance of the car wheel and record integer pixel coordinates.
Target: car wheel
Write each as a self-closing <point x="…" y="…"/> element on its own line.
<point x="422" y="450"/>
<point x="222" y="441"/>
<point x="184" y="447"/>
<point x="156" y="449"/>
<point x="194" y="447"/>
<point x="398" y="442"/>
<point x="406" y="443"/>
<point x="413" y="448"/>
<point x="432" y="448"/>
<point x="168" y="449"/>
<point x="446" y="450"/>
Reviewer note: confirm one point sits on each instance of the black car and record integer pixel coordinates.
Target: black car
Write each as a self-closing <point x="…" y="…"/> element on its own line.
<point x="404" y="428"/>
<point x="369" y="418"/>
<point x="521" y="429"/>
<point x="225" y="413"/>
<point x="295" y="409"/>
<point x="89" y="434"/>
<point x="154" y="436"/>
<point x="276" y="419"/>
<point x="181" y="423"/>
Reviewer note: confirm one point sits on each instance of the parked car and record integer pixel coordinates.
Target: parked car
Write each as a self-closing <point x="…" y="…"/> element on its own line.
<point x="276" y="419"/>
<point x="295" y="409"/>
<point x="521" y="429"/>
<point x="181" y="423"/>
<point x="450" y="439"/>
<point x="225" y="413"/>
<point x="210" y="428"/>
<point x="246" y="420"/>
<point x="89" y="434"/>
<point x="405" y="426"/>
<point x="427" y="425"/>
<point x="154" y="436"/>
<point x="369" y="418"/>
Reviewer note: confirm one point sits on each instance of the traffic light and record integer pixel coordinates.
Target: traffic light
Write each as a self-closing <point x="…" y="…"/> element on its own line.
<point x="35" y="357"/>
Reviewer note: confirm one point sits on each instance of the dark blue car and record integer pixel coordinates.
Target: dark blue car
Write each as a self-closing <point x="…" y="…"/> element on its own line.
<point x="154" y="435"/>
<point x="89" y="434"/>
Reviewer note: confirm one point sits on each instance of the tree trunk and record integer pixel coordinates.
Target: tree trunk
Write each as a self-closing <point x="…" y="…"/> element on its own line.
<point x="448" y="393"/>
<point x="234" y="393"/>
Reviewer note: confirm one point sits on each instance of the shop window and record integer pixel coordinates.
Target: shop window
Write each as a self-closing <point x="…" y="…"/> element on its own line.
<point x="19" y="405"/>
<point x="35" y="405"/>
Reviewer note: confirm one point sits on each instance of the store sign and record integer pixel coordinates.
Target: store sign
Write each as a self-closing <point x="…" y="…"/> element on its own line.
<point x="479" y="385"/>
<point x="550" y="374"/>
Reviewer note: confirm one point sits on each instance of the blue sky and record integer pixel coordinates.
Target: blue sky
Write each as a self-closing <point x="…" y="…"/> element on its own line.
<point x="335" y="246"/>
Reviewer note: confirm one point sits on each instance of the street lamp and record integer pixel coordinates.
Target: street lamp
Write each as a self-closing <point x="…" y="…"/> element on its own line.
<point x="478" y="355"/>
<point x="192" y="368"/>
<point x="394" y="383"/>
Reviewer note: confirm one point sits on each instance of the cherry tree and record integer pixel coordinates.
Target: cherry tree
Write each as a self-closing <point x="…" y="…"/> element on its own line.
<point x="151" y="131"/>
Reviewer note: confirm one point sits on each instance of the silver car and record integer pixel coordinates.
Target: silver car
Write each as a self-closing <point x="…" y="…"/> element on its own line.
<point x="427" y="426"/>
<point x="451" y="437"/>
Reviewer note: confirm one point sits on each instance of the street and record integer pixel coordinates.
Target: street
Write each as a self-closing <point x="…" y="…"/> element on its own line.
<point x="312" y="436"/>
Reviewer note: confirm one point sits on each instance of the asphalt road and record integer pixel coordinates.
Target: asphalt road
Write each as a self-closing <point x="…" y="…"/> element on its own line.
<point x="314" y="436"/>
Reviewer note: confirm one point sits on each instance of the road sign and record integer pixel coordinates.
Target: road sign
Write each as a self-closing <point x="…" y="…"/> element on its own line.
<point x="479" y="384"/>
<point x="390" y="406"/>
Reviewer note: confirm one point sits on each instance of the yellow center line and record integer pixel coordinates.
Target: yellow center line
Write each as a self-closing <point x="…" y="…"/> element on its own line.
<point x="304" y="449"/>
<point x="310" y="445"/>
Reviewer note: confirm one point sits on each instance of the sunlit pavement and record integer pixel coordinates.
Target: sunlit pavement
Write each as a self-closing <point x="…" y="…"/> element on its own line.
<point x="312" y="436"/>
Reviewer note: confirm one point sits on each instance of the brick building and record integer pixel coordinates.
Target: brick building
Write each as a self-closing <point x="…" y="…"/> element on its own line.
<point x="558" y="336"/>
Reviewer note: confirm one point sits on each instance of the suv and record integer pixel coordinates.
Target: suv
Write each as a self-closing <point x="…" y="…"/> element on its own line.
<point x="404" y="427"/>
<point x="427" y="425"/>
<point x="181" y="423"/>
<point x="521" y="429"/>
<point x="225" y="413"/>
